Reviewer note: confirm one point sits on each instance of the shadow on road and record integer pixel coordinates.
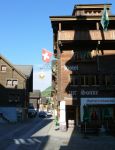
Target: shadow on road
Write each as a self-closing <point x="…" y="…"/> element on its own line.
<point x="26" y="136"/>
<point x="79" y="141"/>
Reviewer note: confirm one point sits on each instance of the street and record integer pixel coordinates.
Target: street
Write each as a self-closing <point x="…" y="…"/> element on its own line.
<point x="40" y="134"/>
<point x="25" y="135"/>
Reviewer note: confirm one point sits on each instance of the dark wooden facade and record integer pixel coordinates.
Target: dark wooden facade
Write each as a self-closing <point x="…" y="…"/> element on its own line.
<point x="34" y="98"/>
<point x="15" y="84"/>
<point x="85" y="73"/>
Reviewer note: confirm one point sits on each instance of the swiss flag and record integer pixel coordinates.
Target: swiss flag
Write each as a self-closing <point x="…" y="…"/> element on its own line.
<point x="46" y="55"/>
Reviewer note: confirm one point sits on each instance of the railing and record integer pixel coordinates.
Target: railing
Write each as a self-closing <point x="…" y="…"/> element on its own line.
<point x="86" y="35"/>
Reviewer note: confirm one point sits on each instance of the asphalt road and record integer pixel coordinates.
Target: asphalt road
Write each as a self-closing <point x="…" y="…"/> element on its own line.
<point x="40" y="134"/>
<point x="24" y="136"/>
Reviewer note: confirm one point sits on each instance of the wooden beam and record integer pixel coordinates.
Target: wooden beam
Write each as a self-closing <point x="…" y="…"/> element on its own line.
<point x="59" y="26"/>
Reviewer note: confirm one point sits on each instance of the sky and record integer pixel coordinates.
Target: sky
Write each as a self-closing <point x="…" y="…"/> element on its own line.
<point x="25" y="29"/>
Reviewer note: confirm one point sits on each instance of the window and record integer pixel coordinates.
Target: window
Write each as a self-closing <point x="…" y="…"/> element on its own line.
<point x="14" y="98"/>
<point x="17" y="98"/>
<point x="88" y="80"/>
<point x="11" y="98"/>
<point x="108" y="80"/>
<point x="15" y="82"/>
<point x="74" y="79"/>
<point x="103" y="80"/>
<point x="113" y="79"/>
<point x="92" y="80"/>
<point x="97" y="80"/>
<point x="82" y="80"/>
<point x="82" y="55"/>
<point x="3" y="68"/>
<point x="9" y="83"/>
<point x="12" y="83"/>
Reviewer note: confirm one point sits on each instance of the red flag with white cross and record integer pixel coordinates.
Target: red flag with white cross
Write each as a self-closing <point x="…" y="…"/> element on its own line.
<point x="46" y="55"/>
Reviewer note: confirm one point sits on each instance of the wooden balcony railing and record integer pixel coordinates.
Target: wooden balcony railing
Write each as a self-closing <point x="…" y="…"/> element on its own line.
<point x="86" y="35"/>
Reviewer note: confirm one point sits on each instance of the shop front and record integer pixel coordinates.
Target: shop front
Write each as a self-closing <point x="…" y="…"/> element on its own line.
<point x="100" y="111"/>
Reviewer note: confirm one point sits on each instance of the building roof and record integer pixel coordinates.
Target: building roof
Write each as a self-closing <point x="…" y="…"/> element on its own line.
<point x="44" y="100"/>
<point x="35" y="94"/>
<point x="57" y="19"/>
<point x="25" y="69"/>
<point x="12" y="66"/>
<point x="74" y="18"/>
<point x="81" y="6"/>
<point x="90" y="7"/>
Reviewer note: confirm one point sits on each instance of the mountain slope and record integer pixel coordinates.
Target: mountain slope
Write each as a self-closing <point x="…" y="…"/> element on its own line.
<point x="47" y="92"/>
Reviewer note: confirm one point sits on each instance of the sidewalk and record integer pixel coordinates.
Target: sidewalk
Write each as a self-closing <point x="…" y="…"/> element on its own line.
<point x="57" y="138"/>
<point x="61" y="134"/>
<point x="71" y="140"/>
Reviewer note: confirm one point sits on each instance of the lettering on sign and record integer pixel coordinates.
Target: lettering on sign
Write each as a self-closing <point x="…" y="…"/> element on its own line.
<point x="83" y="92"/>
<point x="71" y="67"/>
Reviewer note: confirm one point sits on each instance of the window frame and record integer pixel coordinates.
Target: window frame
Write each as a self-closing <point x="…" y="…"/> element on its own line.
<point x="2" y="68"/>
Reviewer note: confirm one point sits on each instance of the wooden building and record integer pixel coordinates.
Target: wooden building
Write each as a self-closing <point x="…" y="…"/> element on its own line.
<point x="34" y="98"/>
<point x="16" y="81"/>
<point x="84" y="72"/>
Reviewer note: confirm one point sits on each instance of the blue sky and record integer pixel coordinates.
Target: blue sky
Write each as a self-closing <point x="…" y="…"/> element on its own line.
<point x="25" y="29"/>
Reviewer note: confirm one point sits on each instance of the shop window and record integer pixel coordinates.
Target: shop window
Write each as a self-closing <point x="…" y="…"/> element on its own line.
<point x="107" y="113"/>
<point x="3" y="68"/>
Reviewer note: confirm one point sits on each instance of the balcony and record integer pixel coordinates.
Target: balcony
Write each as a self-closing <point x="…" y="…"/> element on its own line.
<point x="69" y="35"/>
